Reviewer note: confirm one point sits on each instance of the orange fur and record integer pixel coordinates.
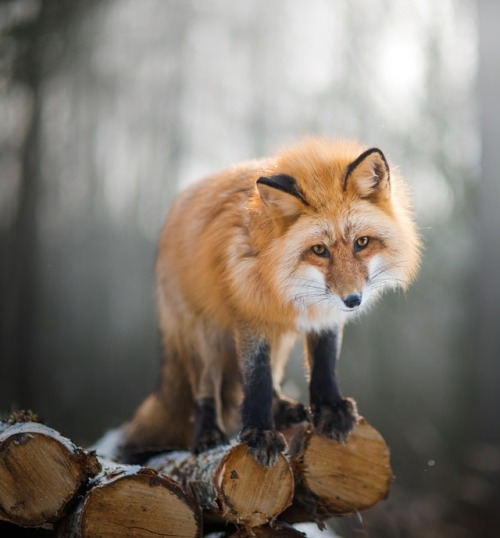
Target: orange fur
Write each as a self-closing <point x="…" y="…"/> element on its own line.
<point x="235" y="256"/>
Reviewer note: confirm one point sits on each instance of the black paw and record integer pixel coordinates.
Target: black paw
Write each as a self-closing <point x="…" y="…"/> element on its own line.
<point x="209" y="439"/>
<point x="335" y="421"/>
<point x="264" y="445"/>
<point x="287" y="413"/>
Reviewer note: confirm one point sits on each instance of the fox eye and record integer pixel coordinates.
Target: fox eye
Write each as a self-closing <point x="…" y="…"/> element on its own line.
<point x="321" y="251"/>
<point x="361" y="242"/>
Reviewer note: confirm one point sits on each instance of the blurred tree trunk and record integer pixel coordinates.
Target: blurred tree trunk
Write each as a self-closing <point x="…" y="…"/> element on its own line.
<point x="488" y="249"/>
<point x="100" y="161"/>
<point x="21" y="248"/>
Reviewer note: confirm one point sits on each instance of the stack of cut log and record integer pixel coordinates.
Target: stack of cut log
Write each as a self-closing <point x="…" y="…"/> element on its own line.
<point x="47" y="482"/>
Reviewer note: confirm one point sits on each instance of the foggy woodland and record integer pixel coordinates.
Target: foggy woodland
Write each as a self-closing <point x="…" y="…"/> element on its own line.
<point x="109" y="107"/>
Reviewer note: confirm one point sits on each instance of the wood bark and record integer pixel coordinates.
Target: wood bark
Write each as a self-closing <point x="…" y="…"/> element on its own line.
<point x="45" y="479"/>
<point x="230" y="484"/>
<point x="336" y="479"/>
<point x="40" y="473"/>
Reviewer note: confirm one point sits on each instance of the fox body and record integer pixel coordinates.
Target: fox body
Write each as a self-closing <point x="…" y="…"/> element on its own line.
<point x="251" y="257"/>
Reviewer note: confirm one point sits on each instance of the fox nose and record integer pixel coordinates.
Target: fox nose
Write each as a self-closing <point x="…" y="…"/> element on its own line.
<point x="352" y="301"/>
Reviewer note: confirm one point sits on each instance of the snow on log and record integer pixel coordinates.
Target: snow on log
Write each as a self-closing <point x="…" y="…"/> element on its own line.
<point x="45" y="480"/>
<point x="128" y="500"/>
<point x="338" y="478"/>
<point x="40" y="473"/>
<point x="229" y="484"/>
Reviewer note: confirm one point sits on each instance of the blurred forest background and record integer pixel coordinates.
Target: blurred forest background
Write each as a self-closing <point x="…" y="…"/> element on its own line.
<point x="108" y="108"/>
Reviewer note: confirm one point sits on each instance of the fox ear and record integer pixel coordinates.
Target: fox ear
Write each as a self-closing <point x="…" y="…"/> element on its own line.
<point x="281" y="195"/>
<point x="369" y="174"/>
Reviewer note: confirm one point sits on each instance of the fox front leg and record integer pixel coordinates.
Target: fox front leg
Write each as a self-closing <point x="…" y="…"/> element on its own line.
<point x="333" y="416"/>
<point x="258" y="432"/>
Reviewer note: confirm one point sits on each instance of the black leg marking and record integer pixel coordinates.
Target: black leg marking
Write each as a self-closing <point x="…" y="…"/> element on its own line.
<point x="332" y="415"/>
<point x="258" y="432"/>
<point x="258" y="388"/>
<point x="207" y="432"/>
<point x="287" y="412"/>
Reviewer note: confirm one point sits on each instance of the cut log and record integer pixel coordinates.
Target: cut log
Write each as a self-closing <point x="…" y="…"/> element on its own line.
<point x="337" y="478"/>
<point x="40" y="473"/>
<point x="43" y="476"/>
<point x="128" y="500"/>
<point x="230" y="484"/>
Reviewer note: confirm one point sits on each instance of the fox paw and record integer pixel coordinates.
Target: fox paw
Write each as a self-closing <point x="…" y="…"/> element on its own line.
<point x="288" y="413"/>
<point x="209" y="439"/>
<point x="335" y="421"/>
<point x="264" y="445"/>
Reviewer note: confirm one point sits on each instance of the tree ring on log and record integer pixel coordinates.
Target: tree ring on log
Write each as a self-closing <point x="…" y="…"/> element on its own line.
<point x="249" y="493"/>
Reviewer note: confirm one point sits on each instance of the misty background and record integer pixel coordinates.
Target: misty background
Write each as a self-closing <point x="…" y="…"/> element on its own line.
<point x="108" y="108"/>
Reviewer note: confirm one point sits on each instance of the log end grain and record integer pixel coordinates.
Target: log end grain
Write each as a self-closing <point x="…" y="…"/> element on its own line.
<point x="137" y="504"/>
<point x="40" y="473"/>
<point x="347" y="477"/>
<point x="250" y="494"/>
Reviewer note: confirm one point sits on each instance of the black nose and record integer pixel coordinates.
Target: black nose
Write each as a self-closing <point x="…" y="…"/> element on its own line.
<point x="352" y="301"/>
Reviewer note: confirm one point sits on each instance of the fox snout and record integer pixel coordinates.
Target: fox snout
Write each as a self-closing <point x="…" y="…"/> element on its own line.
<point x="353" y="300"/>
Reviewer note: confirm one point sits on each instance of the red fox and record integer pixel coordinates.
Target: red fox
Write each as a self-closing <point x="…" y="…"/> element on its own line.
<point x="249" y="258"/>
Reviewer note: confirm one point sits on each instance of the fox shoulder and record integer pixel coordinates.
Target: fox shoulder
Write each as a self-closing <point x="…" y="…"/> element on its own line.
<point x="239" y="241"/>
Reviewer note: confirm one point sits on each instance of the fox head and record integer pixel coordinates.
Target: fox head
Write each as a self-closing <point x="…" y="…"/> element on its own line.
<point x="340" y="229"/>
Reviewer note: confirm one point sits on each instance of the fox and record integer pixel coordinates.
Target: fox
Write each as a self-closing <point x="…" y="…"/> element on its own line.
<point x="253" y="257"/>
